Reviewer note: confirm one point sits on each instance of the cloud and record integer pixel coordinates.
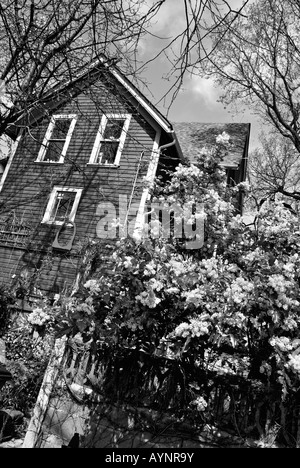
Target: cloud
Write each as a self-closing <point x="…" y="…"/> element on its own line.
<point x="169" y="17"/>
<point x="205" y="89"/>
<point x="165" y="25"/>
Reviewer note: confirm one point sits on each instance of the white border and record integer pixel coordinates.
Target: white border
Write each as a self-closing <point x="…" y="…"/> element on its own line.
<point x="44" y="147"/>
<point x="151" y="173"/>
<point x="99" y="138"/>
<point x="51" y="203"/>
<point x="10" y="159"/>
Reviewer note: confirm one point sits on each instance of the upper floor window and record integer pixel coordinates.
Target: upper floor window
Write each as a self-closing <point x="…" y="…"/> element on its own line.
<point x="57" y="138"/>
<point x="62" y="205"/>
<point x="110" y="139"/>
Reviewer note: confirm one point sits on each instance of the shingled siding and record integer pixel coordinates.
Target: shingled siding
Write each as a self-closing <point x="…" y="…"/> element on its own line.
<point x="10" y="259"/>
<point x="50" y="273"/>
<point x="28" y="184"/>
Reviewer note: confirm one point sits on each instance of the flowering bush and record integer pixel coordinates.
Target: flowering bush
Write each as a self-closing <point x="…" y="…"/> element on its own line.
<point x="27" y="354"/>
<point x="211" y="333"/>
<point x="29" y="342"/>
<point x="6" y="299"/>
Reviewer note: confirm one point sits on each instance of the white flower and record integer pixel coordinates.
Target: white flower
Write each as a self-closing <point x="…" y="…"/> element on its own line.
<point x="194" y="297"/>
<point x="148" y="298"/>
<point x="196" y="327"/>
<point x="200" y="403"/>
<point x="155" y="284"/>
<point x="172" y="290"/>
<point x="93" y="286"/>
<point x="223" y="138"/>
<point x="38" y="317"/>
<point x="150" y="268"/>
<point x="177" y="267"/>
<point x="127" y="263"/>
<point x="294" y="363"/>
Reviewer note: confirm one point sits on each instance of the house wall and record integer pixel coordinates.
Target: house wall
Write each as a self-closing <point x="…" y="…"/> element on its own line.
<point x="28" y="184"/>
<point x="10" y="259"/>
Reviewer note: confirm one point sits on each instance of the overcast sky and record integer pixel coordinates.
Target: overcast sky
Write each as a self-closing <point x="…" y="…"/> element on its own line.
<point x="198" y="101"/>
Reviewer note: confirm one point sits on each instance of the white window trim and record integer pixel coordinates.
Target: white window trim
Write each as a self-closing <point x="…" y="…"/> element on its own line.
<point x="51" y="203"/>
<point x="10" y="160"/>
<point x="99" y="138"/>
<point x="151" y="173"/>
<point x="44" y="147"/>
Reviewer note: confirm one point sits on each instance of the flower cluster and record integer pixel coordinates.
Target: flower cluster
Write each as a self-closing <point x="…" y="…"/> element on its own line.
<point x="240" y="291"/>
<point x="38" y="317"/>
<point x="223" y="138"/>
<point x="194" y="297"/>
<point x="195" y="328"/>
<point x="294" y="364"/>
<point x="93" y="286"/>
<point x="200" y="403"/>
<point x="148" y="298"/>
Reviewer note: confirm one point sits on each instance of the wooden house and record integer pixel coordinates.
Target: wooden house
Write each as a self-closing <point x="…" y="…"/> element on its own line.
<point x="86" y="144"/>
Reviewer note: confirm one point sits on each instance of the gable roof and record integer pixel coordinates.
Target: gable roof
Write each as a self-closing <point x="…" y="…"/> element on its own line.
<point x="194" y="136"/>
<point x="86" y="77"/>
<point x="110" y="64"/>
<point x="138" y="95"/>
<point x="189" y="137"/>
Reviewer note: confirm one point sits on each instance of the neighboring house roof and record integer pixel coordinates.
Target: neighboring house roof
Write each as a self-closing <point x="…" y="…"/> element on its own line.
<point x="194" y="136"/>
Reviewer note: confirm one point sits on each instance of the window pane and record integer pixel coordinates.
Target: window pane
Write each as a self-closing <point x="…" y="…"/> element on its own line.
<point x="108" y="152"/>
<point x="63" y="206"/>
<point x="54" y="150"/>
<point x="60" y="130"/>
<point x="113" y="129"/>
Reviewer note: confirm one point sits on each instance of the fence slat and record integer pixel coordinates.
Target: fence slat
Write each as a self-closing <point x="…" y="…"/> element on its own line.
<point x="40" y="408"/>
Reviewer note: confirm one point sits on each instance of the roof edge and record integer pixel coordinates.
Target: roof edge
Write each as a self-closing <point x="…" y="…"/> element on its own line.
<point x="138" y="95"/>
<point x="109" y="65"/>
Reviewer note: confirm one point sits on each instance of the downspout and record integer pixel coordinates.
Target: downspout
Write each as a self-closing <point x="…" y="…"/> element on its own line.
<point x="10" y="159"/>
<point x="160" y="148"/>
<point x="158" y="153"/>
<point x="133" y="187"/>
<point x="167" y="145"/>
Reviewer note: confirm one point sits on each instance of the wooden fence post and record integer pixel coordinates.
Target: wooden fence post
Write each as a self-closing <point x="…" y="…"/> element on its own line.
<point x="43" y="398"/>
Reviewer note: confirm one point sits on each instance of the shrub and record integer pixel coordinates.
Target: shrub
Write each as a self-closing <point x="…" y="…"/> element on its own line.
<point x="6" y="299"/>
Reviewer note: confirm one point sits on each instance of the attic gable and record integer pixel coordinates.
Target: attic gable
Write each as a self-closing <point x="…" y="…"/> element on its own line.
<point x="101" y="70"/>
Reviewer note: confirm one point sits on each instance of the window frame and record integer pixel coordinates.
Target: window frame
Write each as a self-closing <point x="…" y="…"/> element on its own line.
<point x="44" y="147"/>
<point x="51" y="204"/>
<point x="99" y="139"/>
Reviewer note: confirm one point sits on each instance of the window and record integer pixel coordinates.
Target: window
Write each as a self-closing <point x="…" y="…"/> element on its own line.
<point x="62" y="205"/>
<point x="110" y="139"/>
<point x="57" y="139"/>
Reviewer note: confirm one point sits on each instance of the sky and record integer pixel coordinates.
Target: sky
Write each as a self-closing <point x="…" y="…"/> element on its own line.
<point x="198" y="101"/>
